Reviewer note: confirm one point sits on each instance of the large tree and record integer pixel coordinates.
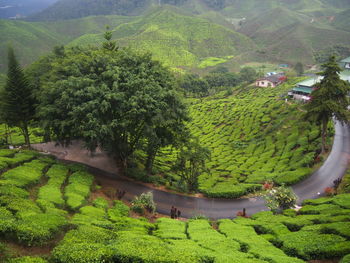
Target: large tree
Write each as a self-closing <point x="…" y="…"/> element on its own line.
<point x="17" y="103"/>
<point x="329" y="99"/>
<point x="120" y="100"/>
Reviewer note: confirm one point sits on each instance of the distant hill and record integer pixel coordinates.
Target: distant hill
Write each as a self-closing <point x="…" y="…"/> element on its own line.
<point x="289" y="36"/>
<point x="68" y="9"/>
<point x="176" y="39"/>
<point x="342" y="20"/>
<point x="22" y="8"/>
<point x="31" y="40"/>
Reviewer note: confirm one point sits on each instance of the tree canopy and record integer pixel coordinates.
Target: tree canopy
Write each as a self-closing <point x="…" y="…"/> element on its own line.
<point x="120" y="100"/>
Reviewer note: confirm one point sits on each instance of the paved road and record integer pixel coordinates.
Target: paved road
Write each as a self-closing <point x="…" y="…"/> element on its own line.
<point x="104" y="168"/>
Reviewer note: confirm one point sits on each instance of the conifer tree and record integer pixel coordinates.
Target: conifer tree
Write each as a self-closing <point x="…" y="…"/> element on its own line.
<point x="329" y="99"/>
<point x="17" y="100"/>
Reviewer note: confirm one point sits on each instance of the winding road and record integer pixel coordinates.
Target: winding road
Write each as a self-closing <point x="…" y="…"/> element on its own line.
<point x="104" y="168"/>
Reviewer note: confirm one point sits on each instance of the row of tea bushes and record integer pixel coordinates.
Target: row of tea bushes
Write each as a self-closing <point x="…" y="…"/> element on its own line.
<point x="31" y="197"/>
<point x="320" y="230"/>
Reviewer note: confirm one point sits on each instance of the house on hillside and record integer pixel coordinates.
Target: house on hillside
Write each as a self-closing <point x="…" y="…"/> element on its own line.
<point x="345" y="63"/>
<point x="272" y="80"/>
<point x="302" y="91"/>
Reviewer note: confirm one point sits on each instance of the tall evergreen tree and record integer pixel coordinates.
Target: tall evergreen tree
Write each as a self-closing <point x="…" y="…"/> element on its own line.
<point x="17" y="100"/>
<point x="329" y="99"/>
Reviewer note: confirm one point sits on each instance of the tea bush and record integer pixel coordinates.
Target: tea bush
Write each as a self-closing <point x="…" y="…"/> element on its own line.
<point x="51" y="192"/>
<point x="170" y="229"/>
<point x="78" y="189"/>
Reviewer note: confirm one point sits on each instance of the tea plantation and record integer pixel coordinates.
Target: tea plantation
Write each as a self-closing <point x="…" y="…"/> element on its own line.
<point x="254" y="136"/>
<point x="47" y="206"/>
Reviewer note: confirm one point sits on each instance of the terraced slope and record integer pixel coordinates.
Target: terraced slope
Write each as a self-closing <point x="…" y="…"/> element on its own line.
<point x="36" y="194"/>
<point x="254" y="136"/>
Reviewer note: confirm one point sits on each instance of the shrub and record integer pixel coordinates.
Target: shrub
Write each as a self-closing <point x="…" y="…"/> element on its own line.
<point x="280" y="198"/>
<point x="143" y="202"/>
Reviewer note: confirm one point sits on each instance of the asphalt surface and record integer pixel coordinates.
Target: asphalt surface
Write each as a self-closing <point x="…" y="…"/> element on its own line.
<point x="105" y="168"/>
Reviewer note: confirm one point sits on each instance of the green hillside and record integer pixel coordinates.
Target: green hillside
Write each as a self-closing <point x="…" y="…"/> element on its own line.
<point x="342" y="20"/>
<point x="34" y="39"/>
<point x="175" y="39"/>
<point x="52" y="212"/>
<point x="254" y="137"/>
<point x="284" y="35"/>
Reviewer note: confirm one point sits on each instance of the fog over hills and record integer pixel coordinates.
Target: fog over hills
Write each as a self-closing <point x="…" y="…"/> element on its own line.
<point x="22" y="8"/>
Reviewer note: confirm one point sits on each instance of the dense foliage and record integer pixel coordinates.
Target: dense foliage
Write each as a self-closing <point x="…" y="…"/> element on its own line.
<point x="120" y="100"/>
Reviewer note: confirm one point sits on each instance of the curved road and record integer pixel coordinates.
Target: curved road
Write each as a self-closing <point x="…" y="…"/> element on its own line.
<point x="105" y="168"/>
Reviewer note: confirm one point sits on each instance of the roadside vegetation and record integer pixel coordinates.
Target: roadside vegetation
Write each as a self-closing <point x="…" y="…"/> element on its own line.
<point x="54" y="209"/>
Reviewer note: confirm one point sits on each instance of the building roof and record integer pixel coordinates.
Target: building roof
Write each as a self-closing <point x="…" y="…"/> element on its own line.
<point x="310" y="82"/>
<point x="276" y="78"/>
<point x="303" y="89"/>
<point x="346" y="60"/>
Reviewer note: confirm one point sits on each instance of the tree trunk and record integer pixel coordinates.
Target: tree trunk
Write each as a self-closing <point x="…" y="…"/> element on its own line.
<point x="151" y="155"/>
<point x="324" y="135"/>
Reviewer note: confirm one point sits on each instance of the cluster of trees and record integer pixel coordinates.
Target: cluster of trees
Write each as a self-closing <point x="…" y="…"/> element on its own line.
<point x="193" y="84"/>
<point x="107" y="97"/>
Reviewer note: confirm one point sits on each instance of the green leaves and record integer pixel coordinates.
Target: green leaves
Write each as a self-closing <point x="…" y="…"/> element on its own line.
<point x="119" y="100"/>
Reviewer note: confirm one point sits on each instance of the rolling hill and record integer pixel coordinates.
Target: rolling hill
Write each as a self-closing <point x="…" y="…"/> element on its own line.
<point x="22" y="8"/>
<point x="284" y="35"/>
<point x="34" y="39"/>
<point x="187" y="32"/>
<point x="342" y="20"/>
<point x="176" y="39"/>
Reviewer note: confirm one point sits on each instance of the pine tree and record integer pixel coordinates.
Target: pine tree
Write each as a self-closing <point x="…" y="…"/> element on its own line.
<point x="329" y="99"/>
<point x="17" y="100"/>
